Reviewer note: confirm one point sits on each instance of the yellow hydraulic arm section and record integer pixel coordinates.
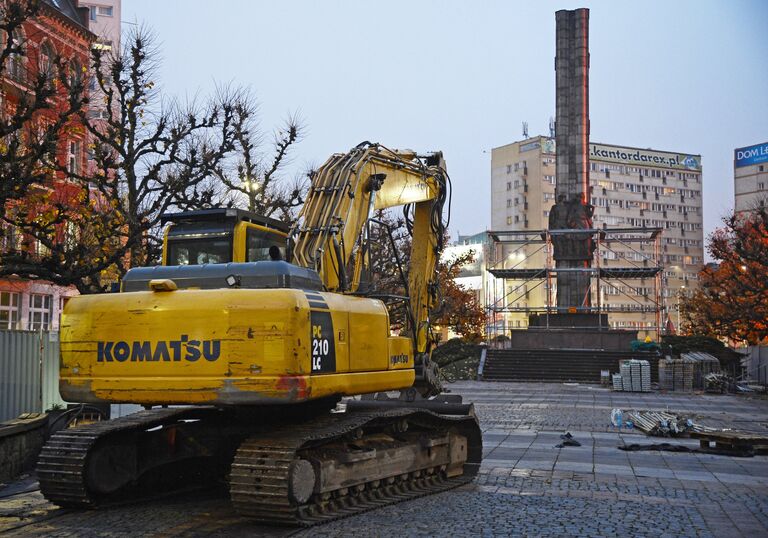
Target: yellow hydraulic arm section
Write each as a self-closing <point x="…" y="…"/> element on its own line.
<point x="344" y="194"/>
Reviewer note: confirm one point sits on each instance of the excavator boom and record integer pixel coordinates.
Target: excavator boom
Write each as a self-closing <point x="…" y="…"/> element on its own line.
<point x="330" y="236"/>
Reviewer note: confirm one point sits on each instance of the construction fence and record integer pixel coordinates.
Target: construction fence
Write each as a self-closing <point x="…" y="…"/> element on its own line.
<point x="29" y="372"/>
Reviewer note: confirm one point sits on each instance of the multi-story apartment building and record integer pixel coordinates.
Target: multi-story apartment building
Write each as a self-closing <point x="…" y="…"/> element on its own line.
<point x="59" y="30"/>
<point x="629" y="188"/>
<point x="750" y="177"/>
<point x="104" y="21"/>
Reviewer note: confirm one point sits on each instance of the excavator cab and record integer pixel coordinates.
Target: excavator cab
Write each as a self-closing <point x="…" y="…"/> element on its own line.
<point x="226" y="235"/>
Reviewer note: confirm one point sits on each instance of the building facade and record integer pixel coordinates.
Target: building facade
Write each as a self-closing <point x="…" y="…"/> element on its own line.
<point x="59" y="30"/>
<point x="629" y="188"/>
<point x="750" y="177"/>
<point x="104" y="22"/>
<point x="474" y="276"/>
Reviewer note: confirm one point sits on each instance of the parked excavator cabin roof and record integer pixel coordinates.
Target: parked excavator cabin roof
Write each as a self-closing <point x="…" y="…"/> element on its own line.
<point x="223" y="214"/>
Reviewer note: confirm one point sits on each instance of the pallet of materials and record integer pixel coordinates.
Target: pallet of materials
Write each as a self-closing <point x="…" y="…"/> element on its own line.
<point x="738" y="442"/>
<point x="634" y="376"/>
<point x="686" y="373"/>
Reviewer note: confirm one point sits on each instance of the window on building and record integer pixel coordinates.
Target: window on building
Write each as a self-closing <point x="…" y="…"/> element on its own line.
<point x="41" y="249"/>
<point x="761" y="185"/>
<point x="92" y="13"/>
<point x="509" y="220"/>
<point x="103" y="44"/>
<point x="39" y="312"/>
<point x="517" y="218"/>
<point x="71" y="235"/>
<point x="73" y="157"/>
<point x="509" y="202"/>
<point x="509" y="169"/>
<point x="75" y="73"/>
<point x="16" y="58"/>
<point x="509" y="185"/>
<point x="9" y="238"/>
<point x="761" y="168"/>
<point x="9" y="310"/>
<point x="47" y="55"/>
<point x="105" y="11"/>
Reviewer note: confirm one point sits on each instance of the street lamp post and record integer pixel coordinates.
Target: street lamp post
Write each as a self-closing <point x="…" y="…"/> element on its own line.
<point x="679" y="293"/>
<point x="251" y="186"/>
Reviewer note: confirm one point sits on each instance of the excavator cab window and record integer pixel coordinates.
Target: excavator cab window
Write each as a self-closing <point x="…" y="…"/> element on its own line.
<point x="199" y="243"/>
<point x="258" y="244"/>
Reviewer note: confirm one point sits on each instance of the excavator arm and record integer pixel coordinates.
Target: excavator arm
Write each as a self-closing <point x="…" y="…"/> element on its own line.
<point x="330" y="236"/>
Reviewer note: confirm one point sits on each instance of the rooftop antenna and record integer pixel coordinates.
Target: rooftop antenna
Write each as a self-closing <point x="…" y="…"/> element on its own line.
<point x="525" y="129"/>
<point x="551" y="127"/>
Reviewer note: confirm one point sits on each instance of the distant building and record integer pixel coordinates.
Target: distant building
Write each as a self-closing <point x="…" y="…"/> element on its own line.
<point x="473" y="276"/>
<point x="750" y="177"/>
<point x="629" y="188"/>
<point x="61" y="29"/>
<point x="104" y="22"/>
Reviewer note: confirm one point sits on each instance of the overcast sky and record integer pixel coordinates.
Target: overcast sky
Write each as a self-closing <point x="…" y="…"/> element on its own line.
<point x="461" y="77"/>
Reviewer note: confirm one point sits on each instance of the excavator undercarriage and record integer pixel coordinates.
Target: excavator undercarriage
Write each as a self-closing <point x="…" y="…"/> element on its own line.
<point x="296" y="467"/>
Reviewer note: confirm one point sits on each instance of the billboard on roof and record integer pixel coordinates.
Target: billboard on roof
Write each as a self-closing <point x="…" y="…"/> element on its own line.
<point x="750" y="155"/>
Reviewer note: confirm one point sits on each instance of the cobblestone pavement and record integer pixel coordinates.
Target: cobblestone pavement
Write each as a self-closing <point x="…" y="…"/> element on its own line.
<point x="526" y="486"/>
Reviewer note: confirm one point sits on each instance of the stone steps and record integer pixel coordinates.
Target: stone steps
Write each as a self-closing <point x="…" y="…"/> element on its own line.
<point x="558" y="365"/>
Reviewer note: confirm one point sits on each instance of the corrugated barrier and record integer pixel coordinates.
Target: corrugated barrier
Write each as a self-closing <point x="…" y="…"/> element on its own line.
<point x="29" y="372"/>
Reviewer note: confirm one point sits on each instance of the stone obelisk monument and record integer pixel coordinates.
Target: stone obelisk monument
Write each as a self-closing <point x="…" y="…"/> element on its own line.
<point x="572" y="210"/>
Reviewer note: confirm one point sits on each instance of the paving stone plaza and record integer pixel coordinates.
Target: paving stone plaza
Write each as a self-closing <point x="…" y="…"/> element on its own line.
<point x="526" y="486"/>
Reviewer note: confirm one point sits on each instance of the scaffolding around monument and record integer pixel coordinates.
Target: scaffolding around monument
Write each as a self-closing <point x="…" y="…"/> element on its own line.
<point x="622" y="258"/>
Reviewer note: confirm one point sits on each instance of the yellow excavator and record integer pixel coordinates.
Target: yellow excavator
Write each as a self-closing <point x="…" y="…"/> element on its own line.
<point x="240" y="359"/>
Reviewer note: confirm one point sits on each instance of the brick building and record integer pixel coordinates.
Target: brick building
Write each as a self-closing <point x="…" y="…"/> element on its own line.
<point x="59" y="30"/>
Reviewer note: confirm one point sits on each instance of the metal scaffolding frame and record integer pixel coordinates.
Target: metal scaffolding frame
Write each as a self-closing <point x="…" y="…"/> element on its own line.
<point x="647" y="264"/>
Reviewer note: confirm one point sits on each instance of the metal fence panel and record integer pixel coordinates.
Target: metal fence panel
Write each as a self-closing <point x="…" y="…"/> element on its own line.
<point x="29" y="372"/>
<point x="756" y="364"/>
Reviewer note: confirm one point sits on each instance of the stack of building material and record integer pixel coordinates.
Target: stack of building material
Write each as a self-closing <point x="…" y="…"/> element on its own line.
<point x="659" y="424"/>
<point x="635" y="376"/>
<point x="687" y="373"/>
<point x="617" y="384"/>
<point x="625" y="370"/>
<point x="637" y="385"/>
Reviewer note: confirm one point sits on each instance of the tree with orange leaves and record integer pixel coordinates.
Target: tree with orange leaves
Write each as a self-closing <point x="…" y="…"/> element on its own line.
<point x="460" y="309"/>
<point x="732" y="300"/>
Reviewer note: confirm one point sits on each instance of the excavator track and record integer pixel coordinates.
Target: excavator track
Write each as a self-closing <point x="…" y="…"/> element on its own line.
<point x="271" y="479"/>
<point x="63" y="464"/>
<point x="308" y="470"/>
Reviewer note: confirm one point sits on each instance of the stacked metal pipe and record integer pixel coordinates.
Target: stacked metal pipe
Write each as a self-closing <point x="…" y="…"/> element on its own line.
<point x="660" y="423"/>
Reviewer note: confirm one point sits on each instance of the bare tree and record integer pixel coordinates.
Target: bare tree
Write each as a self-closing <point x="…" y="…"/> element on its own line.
<point x="149" y="155"/>
<point x="256" y="174"/>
